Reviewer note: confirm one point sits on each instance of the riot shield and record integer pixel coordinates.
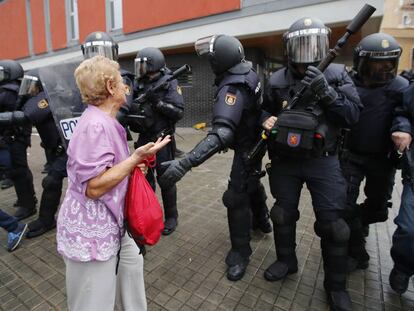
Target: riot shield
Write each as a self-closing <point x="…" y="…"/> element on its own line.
<point x="63" y="96"/>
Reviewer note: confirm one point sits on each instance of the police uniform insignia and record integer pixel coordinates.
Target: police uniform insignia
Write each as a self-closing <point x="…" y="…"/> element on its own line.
<point x="230" y="99"/>
<point x="385" y="43"/>
<point x="179" y="90"/>
<point x="127" y="90"/>
<point x="42" y="104"/>
<point x="307" y="22"/>
<point x="284" y="104"/>
<point x="98" y="35"/>
<point x="293" y="139"/>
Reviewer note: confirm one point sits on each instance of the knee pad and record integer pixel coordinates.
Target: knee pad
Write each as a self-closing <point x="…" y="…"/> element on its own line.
<point x="51" y="182"/>
<point x="337" y="231"/>
<point x="282" y="216"/>
<point x="232" y="199"/>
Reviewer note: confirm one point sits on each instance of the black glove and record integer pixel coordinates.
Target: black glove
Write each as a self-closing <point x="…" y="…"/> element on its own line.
<point x="173" y="171"/>
<point x="152" y="96"/>
<point x="316" y="81"/>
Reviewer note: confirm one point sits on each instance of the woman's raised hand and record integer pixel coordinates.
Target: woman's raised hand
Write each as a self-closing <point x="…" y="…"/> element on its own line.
<point x="150" y="149"/>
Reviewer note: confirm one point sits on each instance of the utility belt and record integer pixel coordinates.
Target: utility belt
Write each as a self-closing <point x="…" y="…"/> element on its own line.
<point x="299" y="134"/>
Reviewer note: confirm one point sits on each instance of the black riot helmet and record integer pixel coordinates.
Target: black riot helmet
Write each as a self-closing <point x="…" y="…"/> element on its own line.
<point x="376" y="59"/>
<point x="100" y="43"/>
<point x="149" y="61"/>
<point x="306" y="43"/>
<point x="10" y="70"/>
<point x="31" y="85"/>
<point x="225" y="53"/>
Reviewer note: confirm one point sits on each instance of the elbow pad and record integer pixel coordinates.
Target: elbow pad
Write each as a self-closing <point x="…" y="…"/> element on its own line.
<point x="218" y="139"/>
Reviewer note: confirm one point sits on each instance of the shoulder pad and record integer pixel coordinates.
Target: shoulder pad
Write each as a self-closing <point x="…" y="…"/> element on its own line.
<point x="251" y="80"/>
<point x="398" y="84"/>
<point x="280" y="79"/>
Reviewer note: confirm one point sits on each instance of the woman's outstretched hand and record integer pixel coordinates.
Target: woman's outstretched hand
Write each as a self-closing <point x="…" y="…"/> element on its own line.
<point x="150" y="149"/>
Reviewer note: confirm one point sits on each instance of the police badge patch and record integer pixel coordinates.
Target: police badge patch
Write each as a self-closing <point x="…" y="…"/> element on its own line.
<point x="293" y="139"/>
<point x="230" y="99"/>
<point x="42" y="104"/>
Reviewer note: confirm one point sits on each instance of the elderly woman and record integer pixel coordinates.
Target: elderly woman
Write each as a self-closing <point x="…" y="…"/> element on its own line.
<point x="104" y="270"/>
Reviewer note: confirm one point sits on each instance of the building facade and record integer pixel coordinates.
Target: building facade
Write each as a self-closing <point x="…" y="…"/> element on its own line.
<point x="43" y="32"/>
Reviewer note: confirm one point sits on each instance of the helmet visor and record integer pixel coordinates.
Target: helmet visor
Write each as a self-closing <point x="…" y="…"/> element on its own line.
<point x="205" y="45"/>
<point x="30" y="86"/>
<point x="307" y="45"/>
<point x="141" y="67"/>
<point x="378" y="71"/>
<point x="3" y="74"/>
<point x="104" y="48"/>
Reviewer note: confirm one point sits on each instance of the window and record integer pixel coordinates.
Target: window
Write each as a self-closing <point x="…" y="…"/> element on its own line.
<point x="115" y="14"/>
<point x="72" y="19"/>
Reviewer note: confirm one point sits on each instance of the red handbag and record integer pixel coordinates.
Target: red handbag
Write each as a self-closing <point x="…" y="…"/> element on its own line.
<point x="143" y="214"/>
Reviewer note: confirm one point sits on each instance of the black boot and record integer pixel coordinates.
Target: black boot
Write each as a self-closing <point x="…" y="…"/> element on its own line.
<point x="23" y="185"/>
<point x="239" y="220"/>
<point x="37" y="228"/>
<point x="237" y="264"/>
<point x="358" y="257"/>
<point x="170" y="225"/>
<point x="285" y="244"/>
<point x="399" y="281"/>
<point x="169" y="200"/>
<point x="334" y="244"/>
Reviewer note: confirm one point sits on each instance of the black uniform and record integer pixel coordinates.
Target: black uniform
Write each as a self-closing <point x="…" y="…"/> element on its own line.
<point x="37" y="111"/>
<point x="317" y="167"/>
<point x="236" y="125"/>
<point x="161" y="113"/>
<point x="367" y="155"/>
<point x="17" y="137"/>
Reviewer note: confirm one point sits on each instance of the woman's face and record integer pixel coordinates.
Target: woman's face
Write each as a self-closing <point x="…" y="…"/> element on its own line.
<point x="119" y="91"/>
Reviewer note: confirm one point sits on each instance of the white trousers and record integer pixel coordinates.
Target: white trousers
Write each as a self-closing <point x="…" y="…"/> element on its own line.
<point x="94" y="285"/>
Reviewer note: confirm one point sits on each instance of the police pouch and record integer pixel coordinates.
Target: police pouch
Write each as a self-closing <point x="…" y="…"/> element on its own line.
<point x="299" y="135"/>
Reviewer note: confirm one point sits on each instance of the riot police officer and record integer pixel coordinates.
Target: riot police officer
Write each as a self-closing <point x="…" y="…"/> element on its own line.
<point x="236" y="114"/>
<point x="162" y="110"/>
<point x="402" y="250"/>
<point x="35" y="110"/>
<point x="101" y="43"/>
<point x="303" y="149"/>
<point x="367" y="154"/>
<point x="17" y="137"/>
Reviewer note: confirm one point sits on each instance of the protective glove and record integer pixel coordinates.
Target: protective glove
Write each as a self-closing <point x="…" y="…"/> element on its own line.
<point x="173" y="171"/>
<point x="316" y="81"/>
<point x="152" y="96"/>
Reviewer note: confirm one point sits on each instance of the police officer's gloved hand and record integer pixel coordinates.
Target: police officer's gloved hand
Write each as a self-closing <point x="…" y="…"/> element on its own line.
<point x="174" y="171"/>
<point x="316" y="81"/>
<point x="152" y="97"/>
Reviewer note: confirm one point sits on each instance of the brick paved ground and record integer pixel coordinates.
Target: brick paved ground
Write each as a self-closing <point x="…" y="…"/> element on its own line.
<point x="186" y="270"/>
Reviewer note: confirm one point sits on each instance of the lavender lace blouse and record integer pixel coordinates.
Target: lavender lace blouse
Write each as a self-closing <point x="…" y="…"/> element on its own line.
<point x="89" y="230"/>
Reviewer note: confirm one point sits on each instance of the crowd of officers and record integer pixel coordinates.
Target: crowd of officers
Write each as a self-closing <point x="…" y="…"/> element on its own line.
<point x="348" y="126"/>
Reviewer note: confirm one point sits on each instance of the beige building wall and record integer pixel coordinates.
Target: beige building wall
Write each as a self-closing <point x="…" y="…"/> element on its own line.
<point x="398" y="21"/>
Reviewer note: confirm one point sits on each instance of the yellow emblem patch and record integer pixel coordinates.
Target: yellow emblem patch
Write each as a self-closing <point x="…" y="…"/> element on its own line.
<point x="98" y="35"/>
<point x="284" y="103"/>
<point x="127" y="90"/>
<point x="307" y="22"/>
<point x="42" y="104"/>
<point x="179" y="91"/>
<point x="230" y="99"/>
<point x="385" y="43"/>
